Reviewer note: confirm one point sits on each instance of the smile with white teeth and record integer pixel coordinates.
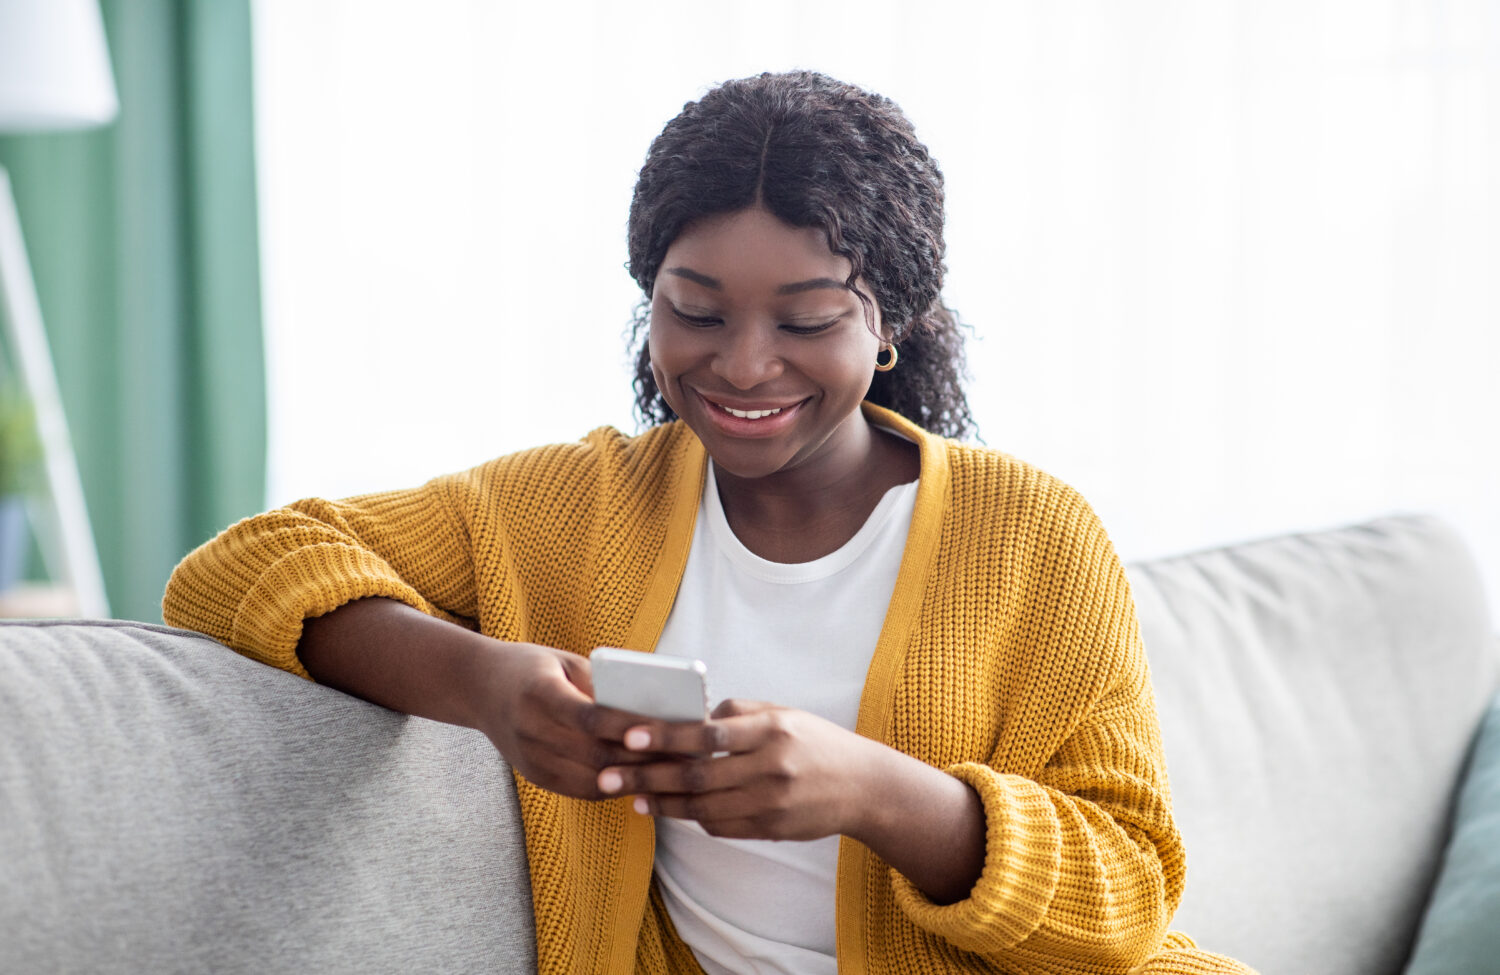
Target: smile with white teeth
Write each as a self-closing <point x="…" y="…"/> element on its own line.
<point x="750" y="414"/>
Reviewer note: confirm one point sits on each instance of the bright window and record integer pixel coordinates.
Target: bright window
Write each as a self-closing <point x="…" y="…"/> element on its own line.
<point x="1231" y="264"/>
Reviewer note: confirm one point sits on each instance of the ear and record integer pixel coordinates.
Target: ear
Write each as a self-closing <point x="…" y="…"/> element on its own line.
<point x="884" y="329"/>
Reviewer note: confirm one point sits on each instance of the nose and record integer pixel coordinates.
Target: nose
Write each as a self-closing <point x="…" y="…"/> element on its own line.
<point x="748" y="356"/>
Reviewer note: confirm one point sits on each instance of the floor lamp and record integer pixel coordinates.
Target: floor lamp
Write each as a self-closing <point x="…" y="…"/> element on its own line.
<point x="54" y="74"/>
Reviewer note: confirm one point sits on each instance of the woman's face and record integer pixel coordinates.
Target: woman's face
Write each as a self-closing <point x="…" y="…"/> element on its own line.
<point x="758" y="346"/>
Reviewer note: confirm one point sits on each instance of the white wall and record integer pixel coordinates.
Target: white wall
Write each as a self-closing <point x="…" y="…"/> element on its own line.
<point x="1232" y="264"/>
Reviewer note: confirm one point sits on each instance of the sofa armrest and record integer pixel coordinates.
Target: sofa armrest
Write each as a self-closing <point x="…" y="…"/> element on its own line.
<point x="171" y="806"/>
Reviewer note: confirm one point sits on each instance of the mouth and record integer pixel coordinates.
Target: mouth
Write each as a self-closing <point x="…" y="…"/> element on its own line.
<point x="747" y="414"/>
<point x="750" y="419"/>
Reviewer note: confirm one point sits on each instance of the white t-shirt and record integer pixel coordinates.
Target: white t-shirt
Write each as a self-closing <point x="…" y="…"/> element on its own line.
<point x="799" y="635"/>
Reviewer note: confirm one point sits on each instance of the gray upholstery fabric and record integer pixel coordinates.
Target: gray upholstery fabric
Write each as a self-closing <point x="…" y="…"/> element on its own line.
<point x="1317" y="694"/>
<point x="169" y="806"/>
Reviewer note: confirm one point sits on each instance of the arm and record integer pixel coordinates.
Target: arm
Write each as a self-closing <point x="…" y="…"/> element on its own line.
<point x="363" y="648"/>
<point x="253" y="585"/>
<point x="928" y="825"/>
<point x="532" y="702"/>
<point x="364" y="595"/>
<point x="1084" y="862"/>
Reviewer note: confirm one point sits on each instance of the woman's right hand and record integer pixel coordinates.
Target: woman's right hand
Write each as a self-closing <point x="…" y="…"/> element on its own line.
<point x="538" y="710"/>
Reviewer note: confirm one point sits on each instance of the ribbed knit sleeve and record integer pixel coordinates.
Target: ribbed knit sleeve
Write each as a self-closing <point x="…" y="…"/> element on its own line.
<point x="1083" y="861"/>
<point x="1086" y="873"/>
<point x="253" y="585"/>
<point x="1178" y="955"/>
<point x="1084" y="865"/>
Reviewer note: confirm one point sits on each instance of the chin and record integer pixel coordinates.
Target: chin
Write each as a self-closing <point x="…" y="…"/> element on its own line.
<point x="736" y="464"/>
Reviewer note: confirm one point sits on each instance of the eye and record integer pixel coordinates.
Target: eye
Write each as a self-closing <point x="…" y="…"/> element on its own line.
<point x="695" y="320"/>
<point x="812" y="329"/>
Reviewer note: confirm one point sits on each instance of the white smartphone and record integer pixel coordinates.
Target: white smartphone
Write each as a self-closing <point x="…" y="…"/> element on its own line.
<point x="669" y="688"/>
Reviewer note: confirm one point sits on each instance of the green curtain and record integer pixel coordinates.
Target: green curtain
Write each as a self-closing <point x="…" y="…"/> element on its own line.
<point x="142" y="239"/>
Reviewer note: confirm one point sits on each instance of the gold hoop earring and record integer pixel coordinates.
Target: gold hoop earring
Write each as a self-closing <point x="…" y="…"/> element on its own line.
<point x="890" y="363"/>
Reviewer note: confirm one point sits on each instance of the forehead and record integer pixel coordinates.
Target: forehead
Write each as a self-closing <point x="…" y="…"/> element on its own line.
<point x="754" y="249"/>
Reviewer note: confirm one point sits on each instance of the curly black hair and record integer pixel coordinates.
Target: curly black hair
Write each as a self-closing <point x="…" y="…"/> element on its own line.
<point x="820" y="153"/>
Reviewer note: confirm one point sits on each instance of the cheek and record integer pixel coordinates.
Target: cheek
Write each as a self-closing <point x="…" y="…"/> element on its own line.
<point x="861" y="359"/>
<point x="660" y="352"/>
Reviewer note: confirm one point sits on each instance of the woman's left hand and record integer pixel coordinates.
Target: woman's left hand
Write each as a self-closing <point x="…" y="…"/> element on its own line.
<point x="753" y="771"/>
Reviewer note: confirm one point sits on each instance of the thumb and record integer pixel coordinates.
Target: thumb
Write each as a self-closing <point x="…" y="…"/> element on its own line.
<point x="578" y="672"/>
<point x="736" y="706"/>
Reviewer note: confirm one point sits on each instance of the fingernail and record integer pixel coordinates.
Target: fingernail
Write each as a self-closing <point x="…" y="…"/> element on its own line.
<point x="637" y="739"/>
<point x="641" y="805"/>
<point x="610" y="781"/>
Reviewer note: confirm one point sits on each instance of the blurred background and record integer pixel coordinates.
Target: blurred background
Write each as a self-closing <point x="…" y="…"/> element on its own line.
<point x="1232" y="266"/>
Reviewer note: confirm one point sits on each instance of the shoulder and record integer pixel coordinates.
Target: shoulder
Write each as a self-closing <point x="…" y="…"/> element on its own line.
<point x="980" y="481"/>
<point x="1049" y="561"/>
<point x="1015" y="493"/>
<point x="1045" y="542"/>
<point x="991" y="498"/>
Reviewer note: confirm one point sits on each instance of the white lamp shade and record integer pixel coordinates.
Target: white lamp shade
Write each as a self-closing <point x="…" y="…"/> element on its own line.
<point x="54" y="66"/>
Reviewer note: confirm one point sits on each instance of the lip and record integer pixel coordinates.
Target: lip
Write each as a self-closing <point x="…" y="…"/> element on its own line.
<point x="735" y="426"/>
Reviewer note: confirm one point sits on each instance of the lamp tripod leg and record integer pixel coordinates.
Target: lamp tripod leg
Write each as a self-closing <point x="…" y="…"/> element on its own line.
<point x="22" y="317"/>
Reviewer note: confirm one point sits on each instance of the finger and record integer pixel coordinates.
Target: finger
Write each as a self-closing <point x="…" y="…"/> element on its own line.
<point x="697" y="738"/>
<point x="614" y="724"/>
<point x="694" y="776"/>
<point x="607" y="722"/>
<point x="567" y="774"/>
<point x="743" y="829"/>
<point x="553" y="696"/>
<point x="569" y="712"/>
<point x="579" y="673"/>
<point x="734" y="734"/>
<point x="734" y="814"/>
<point x="690" y="775"/>
<point x="632" y="731"/>
<point x="646" y="735"/>
<point x="733" y="706"/>
<point x="562" y="776"/>
<point x="584" y="749"/>
<point x="736" y="810"/>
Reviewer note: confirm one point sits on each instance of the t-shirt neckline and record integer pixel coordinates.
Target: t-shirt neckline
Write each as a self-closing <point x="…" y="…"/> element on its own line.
<point x="896" y="500"/>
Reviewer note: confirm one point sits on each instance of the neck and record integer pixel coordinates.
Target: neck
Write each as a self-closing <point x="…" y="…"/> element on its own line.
<point x="800" y="514"/>
<point x="807" y="493"/>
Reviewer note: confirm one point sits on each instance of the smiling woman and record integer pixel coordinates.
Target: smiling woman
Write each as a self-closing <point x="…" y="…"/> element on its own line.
<point x="759" y="346"/>
<point x="934" y="692"/>
<point x="853" y="195"/>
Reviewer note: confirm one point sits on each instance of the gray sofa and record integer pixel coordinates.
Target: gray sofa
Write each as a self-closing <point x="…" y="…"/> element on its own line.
<point x="169" y="806"/>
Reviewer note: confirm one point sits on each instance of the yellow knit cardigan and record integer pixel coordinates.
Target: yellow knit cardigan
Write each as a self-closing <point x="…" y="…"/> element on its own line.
<point x="1009" y="656"/>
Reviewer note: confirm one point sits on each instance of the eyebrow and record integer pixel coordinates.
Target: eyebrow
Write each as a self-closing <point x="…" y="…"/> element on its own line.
<point x="795" y="288"/>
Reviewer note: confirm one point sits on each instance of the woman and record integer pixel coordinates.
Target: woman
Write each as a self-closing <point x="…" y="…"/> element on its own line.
<point x="934" y="680"/>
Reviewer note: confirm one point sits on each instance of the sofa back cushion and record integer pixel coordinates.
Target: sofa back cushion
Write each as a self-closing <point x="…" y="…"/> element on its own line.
<point x="169" y="806"/>
<point x="1318" y="694"/>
